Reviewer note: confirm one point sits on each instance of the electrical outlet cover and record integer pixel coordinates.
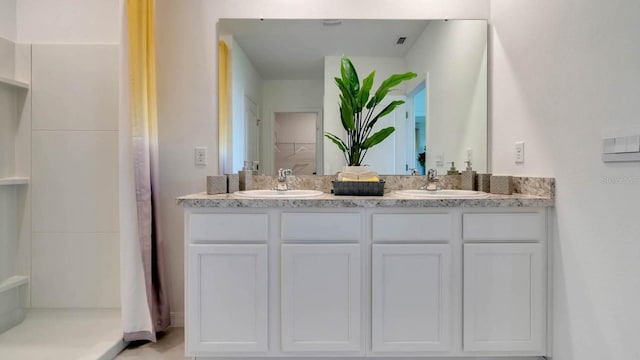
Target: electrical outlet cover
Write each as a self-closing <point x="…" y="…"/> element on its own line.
<point x="519" y="152"/>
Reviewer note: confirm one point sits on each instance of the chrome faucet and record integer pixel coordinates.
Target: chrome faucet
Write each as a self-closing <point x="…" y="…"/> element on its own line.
<point x="283" y="181"/>
<point x="432" y="180"/>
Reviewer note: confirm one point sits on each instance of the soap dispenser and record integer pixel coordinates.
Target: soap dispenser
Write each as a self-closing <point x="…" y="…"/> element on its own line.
<point x="468" y="181"/>
<point x="453" y="170"/>
<point x="246" y="176"/>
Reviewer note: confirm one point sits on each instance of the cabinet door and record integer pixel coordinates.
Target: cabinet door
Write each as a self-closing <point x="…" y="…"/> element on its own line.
<point x="411" y="286"/>
<point x="504" y="297"/>
<point x="321" y="297"/>
<point x="227" y="294"/>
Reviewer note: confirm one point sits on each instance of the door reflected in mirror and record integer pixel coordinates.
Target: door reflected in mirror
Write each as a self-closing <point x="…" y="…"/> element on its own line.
<point x="295" y="142"/>
<point x="276" y="70"/>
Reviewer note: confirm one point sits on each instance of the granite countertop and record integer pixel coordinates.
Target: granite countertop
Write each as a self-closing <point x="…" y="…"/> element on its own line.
<point x="202" y="200"/>
<point x="527" y="192"/>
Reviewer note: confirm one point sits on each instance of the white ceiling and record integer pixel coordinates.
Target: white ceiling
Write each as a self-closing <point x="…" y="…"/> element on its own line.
<point x="295" y="49"/>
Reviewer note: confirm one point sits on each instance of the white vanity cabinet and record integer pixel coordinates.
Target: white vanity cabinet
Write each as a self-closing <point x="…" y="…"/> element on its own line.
<point x="321" y="298"/>
<point x="228" y="298"/>
<point x="505" y="282"/>
<point x="366" y="282"/>
<point x="321" y="281"/>
<point x="411" y="282"/>
<point x="227" y="283"/>
<point x="410" y="299"/>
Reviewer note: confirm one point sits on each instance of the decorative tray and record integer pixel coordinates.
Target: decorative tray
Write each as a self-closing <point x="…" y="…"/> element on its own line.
<point x="358" y="188"/>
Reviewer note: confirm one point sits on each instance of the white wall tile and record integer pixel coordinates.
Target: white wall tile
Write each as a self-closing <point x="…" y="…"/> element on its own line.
<point x="8" y="19"/>
<point x="8" y="231"/>
<point x="75" y="87"/>
<point x="68" y="21"/>
<point x="76" y="271"/>
<point x="7" y="58"/>
<point x="75" y="181"/>
<point x="8" y="125"/>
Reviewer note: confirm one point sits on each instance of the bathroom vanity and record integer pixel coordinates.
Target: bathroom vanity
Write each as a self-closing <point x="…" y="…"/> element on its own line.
<point x="366" y="277"/>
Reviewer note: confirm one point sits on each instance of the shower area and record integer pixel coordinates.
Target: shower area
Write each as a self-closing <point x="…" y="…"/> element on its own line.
<point x="59" y="220"/>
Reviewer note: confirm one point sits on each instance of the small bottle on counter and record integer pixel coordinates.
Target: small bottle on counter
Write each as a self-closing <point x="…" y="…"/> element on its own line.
<point x="468" y="181"/>
<point x="246" y="176"/>
<point x="453" y="170"/>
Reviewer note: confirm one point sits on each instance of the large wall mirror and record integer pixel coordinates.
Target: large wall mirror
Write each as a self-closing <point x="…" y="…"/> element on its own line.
<point x="278" y="97"/>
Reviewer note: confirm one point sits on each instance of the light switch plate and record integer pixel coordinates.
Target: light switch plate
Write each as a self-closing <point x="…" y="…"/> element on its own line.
<point x="519" y="152"/>
<point x="633" y="143"/>
<point x="621" y="148"/>
<point x="609" y="146"/>
<point x="200" y="156"/>
<point x="620" y="145"/>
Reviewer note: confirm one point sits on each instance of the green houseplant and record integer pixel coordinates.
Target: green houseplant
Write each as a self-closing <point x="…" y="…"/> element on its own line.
<point x="358" y="111"/>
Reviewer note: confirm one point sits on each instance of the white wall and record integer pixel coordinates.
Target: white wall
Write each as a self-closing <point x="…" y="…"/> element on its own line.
<point x="246" y="85"/>
<point x="454" y="55"/>
<point x="564" y="75"/>
<point x="187" y="86"/>
<point x="286" y="96"/>
<point x="68" y="21"/>
<point x="8" y="19"/>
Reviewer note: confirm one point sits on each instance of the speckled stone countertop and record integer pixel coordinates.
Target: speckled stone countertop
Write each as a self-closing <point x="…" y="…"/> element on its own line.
<point x="528" y="192"/>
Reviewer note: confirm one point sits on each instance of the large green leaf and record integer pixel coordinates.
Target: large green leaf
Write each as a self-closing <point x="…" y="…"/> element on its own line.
<point x="378" y="137"/>
<point x="346" y="115"/>
<point x="363" y="95"/>
<point x="387" y="110"/>
<point x="349" y="75"/>
<point x="345" y="92"/>
<point x="336" y="140"/>
<point x="388" y="84"/>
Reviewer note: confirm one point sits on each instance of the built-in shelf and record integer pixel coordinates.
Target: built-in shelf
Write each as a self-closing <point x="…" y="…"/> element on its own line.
<point x="17" y="83"/>
<point x="13" y="282"/>
<point x="14" y="181"/>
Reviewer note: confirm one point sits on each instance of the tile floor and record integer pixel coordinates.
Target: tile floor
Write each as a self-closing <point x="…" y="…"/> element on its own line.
<point x="64" y="334"/>
<point x="169" y="347"/>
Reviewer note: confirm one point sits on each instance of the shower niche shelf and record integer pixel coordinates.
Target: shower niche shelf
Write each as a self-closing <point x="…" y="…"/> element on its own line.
<point x="15" y="83"/>
<point x="14" y="181"/>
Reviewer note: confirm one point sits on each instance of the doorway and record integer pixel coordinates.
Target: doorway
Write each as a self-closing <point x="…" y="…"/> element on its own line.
<point x="417" y="119"/>
<point x="295" y="142"/>
<point x="251" y="131"/>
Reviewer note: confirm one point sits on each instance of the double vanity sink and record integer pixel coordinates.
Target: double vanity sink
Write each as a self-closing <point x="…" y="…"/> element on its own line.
<point x="408" y="193"/>
<point x="307" y="274"/>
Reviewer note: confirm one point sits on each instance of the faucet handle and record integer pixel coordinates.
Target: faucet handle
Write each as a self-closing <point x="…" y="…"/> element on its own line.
<point x="432" y="175"/>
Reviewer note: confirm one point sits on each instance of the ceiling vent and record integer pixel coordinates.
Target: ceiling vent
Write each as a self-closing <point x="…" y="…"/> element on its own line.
<point x="401" y="40"/>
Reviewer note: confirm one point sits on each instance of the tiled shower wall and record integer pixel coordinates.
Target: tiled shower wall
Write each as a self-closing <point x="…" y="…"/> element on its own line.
<point x="75" y="242"/>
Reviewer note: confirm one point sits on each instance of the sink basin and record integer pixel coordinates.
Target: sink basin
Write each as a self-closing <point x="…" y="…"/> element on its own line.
<point x="447" y="194"/>
<point x="275" y="194"/>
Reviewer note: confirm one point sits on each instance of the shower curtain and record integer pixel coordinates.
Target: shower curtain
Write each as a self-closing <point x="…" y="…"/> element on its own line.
<point x="145" y="308"/>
